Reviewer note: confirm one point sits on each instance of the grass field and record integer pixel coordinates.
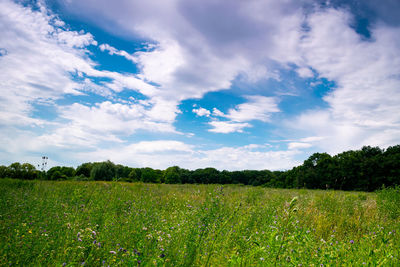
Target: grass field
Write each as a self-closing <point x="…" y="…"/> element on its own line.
<point x="46" y="223"/>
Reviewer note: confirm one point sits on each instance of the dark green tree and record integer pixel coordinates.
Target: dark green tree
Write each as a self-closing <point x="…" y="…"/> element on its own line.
<point x="103" y="171"/>
<point x="172" y="175"/>
<point x="134" y="175"/>
<point x="149" y="175"/>
<point x="84" y="169"/>
<point x="15" y="170"/>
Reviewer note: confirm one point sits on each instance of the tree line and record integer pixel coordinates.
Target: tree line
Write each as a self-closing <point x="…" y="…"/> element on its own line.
<point x="367" y="169"/>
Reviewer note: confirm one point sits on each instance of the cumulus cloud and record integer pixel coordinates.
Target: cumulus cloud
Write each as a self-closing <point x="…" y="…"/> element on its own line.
<point x="364" y="107"/>
<point x="305" y="72"/>
<point x="42" y="61"/>
<point x="202" y="46"/>
<point x="202" y="112"/>
<point x="38" y="62"/>
<point x="106" y="121"/>
<point x="256" y="108"/>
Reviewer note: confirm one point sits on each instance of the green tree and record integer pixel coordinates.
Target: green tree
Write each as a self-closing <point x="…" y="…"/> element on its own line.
<point x="3" y="171"/>
<point x="148" y="175"/>
<point x="29" y="171"/>
<point x="15" y="170"/>
<point x="104" y="171"/>
<point x="84" y="169"/>
<point x="172" y="175"/>
<point x="391" y="166"/>
<point x="135" y="175"/>
<point x="122" y="172"/>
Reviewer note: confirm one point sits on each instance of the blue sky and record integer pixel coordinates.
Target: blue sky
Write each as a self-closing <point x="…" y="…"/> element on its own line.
<point x="258" y="84"/>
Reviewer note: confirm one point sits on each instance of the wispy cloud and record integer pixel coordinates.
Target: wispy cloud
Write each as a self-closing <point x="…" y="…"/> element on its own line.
<point x="256" y="108"/>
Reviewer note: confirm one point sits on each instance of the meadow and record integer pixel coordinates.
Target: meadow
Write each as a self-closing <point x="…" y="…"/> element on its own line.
<point x="67" y="223"/>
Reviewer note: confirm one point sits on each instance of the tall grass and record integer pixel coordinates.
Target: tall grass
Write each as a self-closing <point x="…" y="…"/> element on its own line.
<point x="389" y="202"/>
<point x="46" y="223"/>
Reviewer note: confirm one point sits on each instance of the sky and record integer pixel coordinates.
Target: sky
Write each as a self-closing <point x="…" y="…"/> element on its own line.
<point x="255" y="84"/>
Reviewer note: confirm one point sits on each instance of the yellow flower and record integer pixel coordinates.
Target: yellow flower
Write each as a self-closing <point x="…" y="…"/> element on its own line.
<point x="30" y="231"/>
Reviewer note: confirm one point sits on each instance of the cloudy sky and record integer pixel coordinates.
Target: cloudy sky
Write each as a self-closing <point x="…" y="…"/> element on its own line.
<point x="255" y="84"/>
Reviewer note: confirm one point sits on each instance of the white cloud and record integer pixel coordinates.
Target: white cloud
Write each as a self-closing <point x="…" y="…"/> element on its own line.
<point x="165" y="153"/>
<point x="202" y="46"/>
<point x="363" y="109"/>
<point x="227" y="126"/>
<point x="113" y="51"/>
<point x="298" y="145"/>
<point x="75" y="39"/>
<point x="39" y="64"/>
<point x="38" y="61"/>
<point x="202" y="112"/>
<point x="106" y="121"/>
<point x="242" y="158"/>
<point x="216" y="112"/>
<point x="257" y="108"/>
<point x="305" y="72"/>
<point x="312" y="139"/>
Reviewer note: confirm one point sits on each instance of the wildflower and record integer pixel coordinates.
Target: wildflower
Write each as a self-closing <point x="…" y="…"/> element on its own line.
<point x="64" y="264"/>
<point x="80" y="240"/>
<point x="113" y="252"/>
<point x="262" y="259"/>
<point x="162" y="255"/>
<point x="351" y="241"/>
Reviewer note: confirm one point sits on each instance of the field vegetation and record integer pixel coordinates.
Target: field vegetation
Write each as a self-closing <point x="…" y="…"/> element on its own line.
<point x="74" y="223"/>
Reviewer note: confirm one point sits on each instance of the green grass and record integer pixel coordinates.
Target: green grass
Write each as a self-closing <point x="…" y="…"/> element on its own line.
<point x="46" y="223"/>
